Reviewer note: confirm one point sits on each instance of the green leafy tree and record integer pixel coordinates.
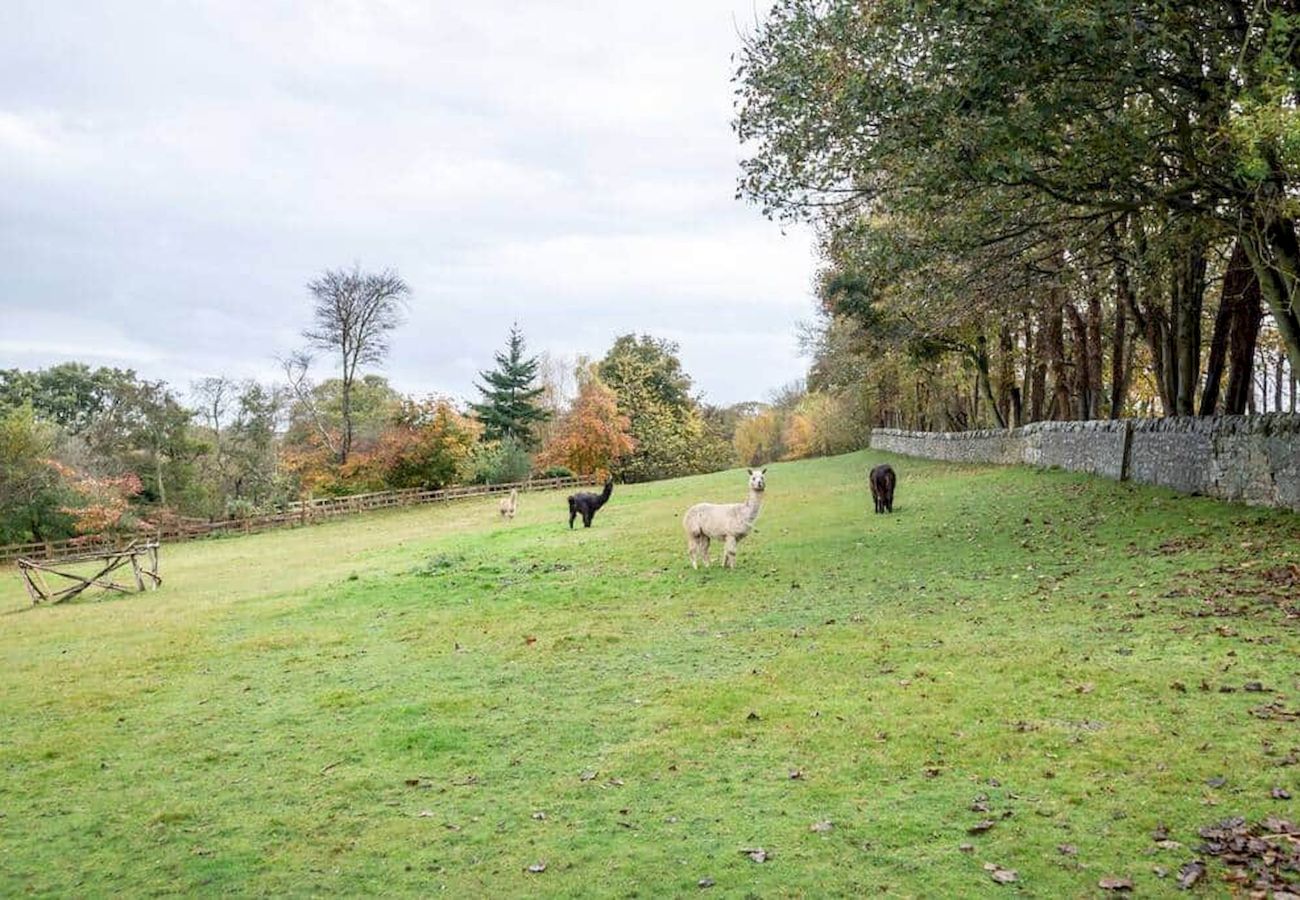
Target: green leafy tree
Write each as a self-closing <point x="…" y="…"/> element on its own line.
<point x="1055" y="146"/>
<point x="33" y="496"/>
<point x="511" y="404"/>
<point x="71" y="395"/>
<point x="671" y="436"/>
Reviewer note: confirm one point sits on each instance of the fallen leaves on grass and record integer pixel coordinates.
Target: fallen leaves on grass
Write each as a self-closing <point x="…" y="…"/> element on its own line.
<point x="1190" y="873"/>
<point x="1115" y="883"/>
<point x="981" y="826"/>
<point x="757" y="854"/>
<point x="588" y="775"/>
<point x="1280" y="793"/>
<point x="1276" y="712"/>
<point x="1067" y="849"/>
<point x="1001" y="875"/>
<point x="822" y="826"/>
<point x="537" y="868"/>
<point x="705" y="883"/>
<point x="1260" y="857"/>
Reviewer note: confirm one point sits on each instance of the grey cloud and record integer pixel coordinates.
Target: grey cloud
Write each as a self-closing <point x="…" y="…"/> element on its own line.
<point x="171" y="175"/>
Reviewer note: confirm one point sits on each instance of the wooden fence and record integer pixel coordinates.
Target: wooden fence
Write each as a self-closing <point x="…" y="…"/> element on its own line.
<point x="294" y="515"/>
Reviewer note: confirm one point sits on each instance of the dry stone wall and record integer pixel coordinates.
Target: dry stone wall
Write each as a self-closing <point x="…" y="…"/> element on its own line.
<point x="1255" y="459"/>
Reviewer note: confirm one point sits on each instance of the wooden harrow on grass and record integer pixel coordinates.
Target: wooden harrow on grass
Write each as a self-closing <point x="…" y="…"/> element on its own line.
<point x="141" y="557"/>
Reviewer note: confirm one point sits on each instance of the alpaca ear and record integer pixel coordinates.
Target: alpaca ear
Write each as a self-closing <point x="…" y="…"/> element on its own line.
<point x="750" y="471"/>
<point x="763" y="471"/>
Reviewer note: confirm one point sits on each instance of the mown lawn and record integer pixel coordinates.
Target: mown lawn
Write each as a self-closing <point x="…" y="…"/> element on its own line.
<point x="430" y="700"/>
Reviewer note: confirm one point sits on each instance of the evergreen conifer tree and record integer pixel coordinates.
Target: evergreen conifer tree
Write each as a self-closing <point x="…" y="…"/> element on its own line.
<point x="510" y="408"/>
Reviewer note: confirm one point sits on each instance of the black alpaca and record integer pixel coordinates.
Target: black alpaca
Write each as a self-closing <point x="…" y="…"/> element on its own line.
<point x="586" y="504"/>
<point x="882" y="488"/>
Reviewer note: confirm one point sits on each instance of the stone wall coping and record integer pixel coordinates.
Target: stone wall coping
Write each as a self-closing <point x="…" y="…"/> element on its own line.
<point x="1264" y="423"/>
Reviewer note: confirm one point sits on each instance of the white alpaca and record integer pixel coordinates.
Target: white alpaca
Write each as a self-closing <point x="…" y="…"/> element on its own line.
<point x="509" y="505"/>
<point x="728" y="521"/>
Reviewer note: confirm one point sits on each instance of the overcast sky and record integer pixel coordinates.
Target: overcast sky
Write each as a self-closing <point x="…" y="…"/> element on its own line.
<point x="172" y="174"/>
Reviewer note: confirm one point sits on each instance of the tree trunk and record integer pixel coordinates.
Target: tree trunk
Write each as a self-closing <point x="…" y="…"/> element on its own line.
<point x="345" y="445"/>
<point x="1242" y="288"/>
<point x="1095" y="362"/>
<point x="1118" y="363"/>
<point x="1006" y="371"/>
<point x="1278" y="375"/>
<point x="1036" y="372"/>
<point x="1274" y="252"/>
<point x="1079" y="374"/>
<point x="1223" y="320"/>
<point x="1150" y="320"/>
<point x="1157" y="335"/>
<point x="1188" y="285"/>
<point x="1056" y="357"/>
<point x="1262" y="365"/>
<point x="983" y="383"/>
<point x="158" y="473"/>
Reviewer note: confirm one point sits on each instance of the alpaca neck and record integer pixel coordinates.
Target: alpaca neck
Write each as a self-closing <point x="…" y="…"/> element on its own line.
<point x="604" y="495"/>
<point x="752" y="506"/>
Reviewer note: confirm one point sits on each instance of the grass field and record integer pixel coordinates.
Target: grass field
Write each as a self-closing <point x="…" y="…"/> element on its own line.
<point x="430" y="700"/>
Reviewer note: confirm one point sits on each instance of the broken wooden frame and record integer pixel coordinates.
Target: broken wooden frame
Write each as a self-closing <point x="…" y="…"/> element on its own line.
<point x="141" y="557"/>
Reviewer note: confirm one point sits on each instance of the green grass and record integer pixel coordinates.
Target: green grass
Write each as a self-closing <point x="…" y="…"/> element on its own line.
<point x="387" y="704"/>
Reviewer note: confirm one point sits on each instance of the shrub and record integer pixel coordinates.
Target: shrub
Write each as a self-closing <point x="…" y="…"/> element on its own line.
<point x="240" y="508"/>
<point x="500" y="462"/>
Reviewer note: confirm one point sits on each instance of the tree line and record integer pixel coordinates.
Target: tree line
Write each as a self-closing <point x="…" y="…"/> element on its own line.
<point x="1037" y="209"/>
<point x="87" y="450"/>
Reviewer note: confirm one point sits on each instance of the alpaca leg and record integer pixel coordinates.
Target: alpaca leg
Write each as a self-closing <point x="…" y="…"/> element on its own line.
<point x="692" y="550"/>
<point x="704" y="549"/>
<point x="586" y="519"/>
<point x="729" y="553"/>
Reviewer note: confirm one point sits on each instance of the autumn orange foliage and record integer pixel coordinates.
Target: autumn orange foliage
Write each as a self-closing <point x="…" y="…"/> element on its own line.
<point x="593" y="435"/>
<point x="427" y="444"/>
<point x="105" y="501"/>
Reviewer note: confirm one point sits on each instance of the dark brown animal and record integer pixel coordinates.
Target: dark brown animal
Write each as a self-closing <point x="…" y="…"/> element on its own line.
<point x="882" y="480"/>
<point x="586" y="504"/>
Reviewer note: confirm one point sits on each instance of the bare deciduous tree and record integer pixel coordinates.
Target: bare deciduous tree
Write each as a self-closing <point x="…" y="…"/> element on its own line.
<point x="354" y="312"/>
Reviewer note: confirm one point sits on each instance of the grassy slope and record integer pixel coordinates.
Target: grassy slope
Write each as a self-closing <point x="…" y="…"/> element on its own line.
<point x="252" y="727"/>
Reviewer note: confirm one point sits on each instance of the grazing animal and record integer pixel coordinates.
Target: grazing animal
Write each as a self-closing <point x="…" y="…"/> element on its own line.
<point x="510" y="505"/>
<point x="585" y="504"/>
<point x="729" y="522"/>
<point x="882" y="480"/>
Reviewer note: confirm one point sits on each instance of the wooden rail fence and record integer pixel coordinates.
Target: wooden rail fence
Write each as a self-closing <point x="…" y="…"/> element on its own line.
<point x="294" y="515"/>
